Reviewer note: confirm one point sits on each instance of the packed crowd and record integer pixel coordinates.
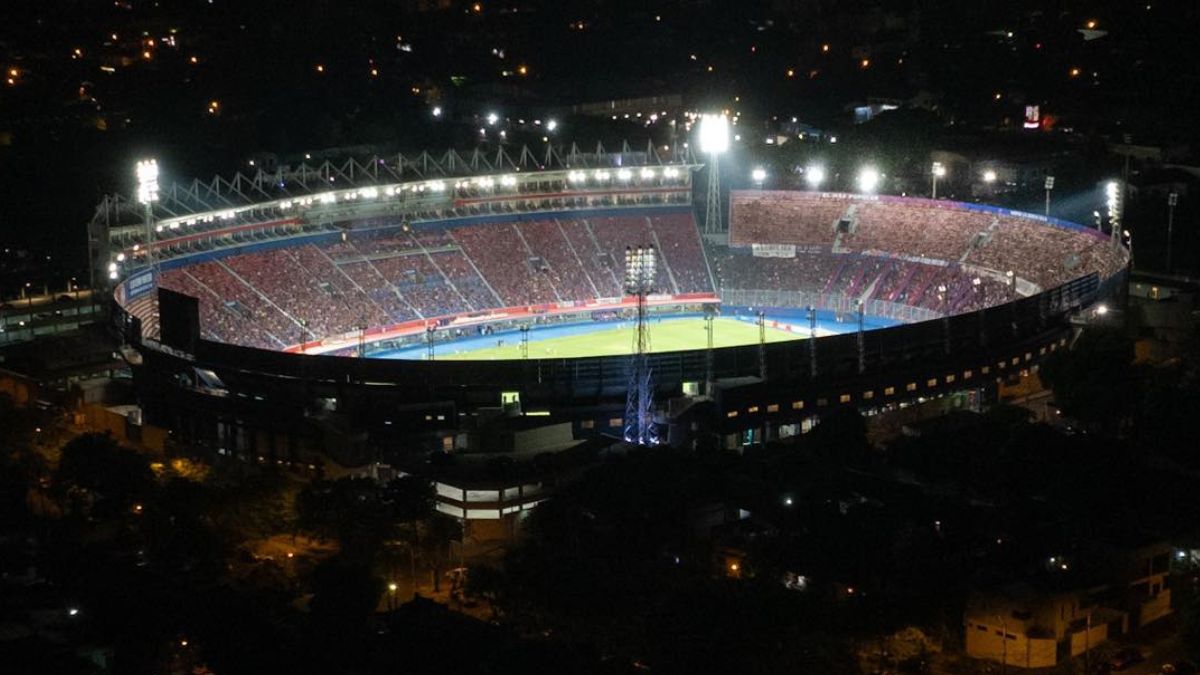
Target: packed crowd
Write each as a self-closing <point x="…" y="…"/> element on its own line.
<point x="942" y="288"/>
<point x="393" y="272"/>
<point x="1047" y="255"/>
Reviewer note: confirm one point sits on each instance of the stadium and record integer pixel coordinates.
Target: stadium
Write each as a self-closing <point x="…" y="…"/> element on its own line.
<point x="362" y="309"/>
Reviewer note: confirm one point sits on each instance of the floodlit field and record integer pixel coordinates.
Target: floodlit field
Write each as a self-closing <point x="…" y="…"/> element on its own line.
<point x="666" y="336"/>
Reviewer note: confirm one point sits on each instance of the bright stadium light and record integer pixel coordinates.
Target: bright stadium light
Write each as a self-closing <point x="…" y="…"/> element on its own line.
<point x="437" y="111"/>
<point x="714" y="140"/>
<point x="1112" y="194"/>
<point x="714" y="134"/>
<point x="989" y="176"/>
<point x="868" y="179"/>
<point x="147" y="177"/>
<point x="551" y="125"/>
<point x="647" y="173"/>
<point x="624" y="174"/>
<point x="492" y="118"/>
<point x="938" y="171"/>
<point x="814" y="176"/>
<point x="759" y="175"/>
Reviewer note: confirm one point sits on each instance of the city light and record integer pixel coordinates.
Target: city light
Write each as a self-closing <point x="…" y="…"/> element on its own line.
<point x="492" y="118"/>
<point x="868" y="179"/>
<point x="814" y="176"/>
<point x="714" y="134"/>
<point x="551" y="125"/>
<point x="624" y="174"/>
<point x="437" y="111"/>
<point x="939" y="170"/>
<point x="989" y="176"/>
<point x="759" y="174"/>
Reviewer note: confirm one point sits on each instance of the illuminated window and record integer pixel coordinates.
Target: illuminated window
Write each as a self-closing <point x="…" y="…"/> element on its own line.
<point x="985" y="369"/>
<point x="797" y="405"/>
<point x="1028" y="356"/>
<point x="752" y="409"/>
<point x="1016" y="360"/>
<point x="507" y="397"/>
<point x="822" y="402"/>
<point x="889" y="391"/>
<point x="588" y="424"/>
<point x="614" y="422"/>
<point x="868" y="395"/>
<point x="731" y="413"/>
<point x="968" y="374"/>
<point x="1001" y="365"/>
<point x="844" y="398"/>
<point x="1042" y="351"/>
<point x="931" y="382"/>
<point x="773" y="408"/>
<point x="911" y="386"/>
<point x="950" y="378"/>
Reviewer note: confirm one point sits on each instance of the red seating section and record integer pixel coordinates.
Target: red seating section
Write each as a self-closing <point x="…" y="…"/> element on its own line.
<point x="275" y="298"/>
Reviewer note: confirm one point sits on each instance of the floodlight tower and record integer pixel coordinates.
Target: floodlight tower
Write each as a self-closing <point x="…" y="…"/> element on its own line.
<point x="938" y="171"/>
<point x="147" y="178"/>
<point x="714" y="140"/>
<point x="1112" y="194"/>
<point x="641" y="264"/>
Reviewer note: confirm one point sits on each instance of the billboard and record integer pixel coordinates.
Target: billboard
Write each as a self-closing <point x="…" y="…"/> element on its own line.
<point x="140" y="284"/>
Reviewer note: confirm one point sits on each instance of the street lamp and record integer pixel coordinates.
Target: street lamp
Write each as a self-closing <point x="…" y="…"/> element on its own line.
<point x="1049" y="186"/>
<point x="29" y="306"/>
<point x="714" y="140"/>
<point x="868" y="179"/>
<point x="939" y="171"/>
<point x="814" y="176"/>
<point x="759" y="175"/>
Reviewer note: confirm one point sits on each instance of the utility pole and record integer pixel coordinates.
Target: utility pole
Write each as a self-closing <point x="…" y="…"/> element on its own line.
<point x="710" y="312"/>
<point x="762" y="345"/>
<point x="862" y="341"/>
<point x="812" y="341"/>
<point x="1172" y="202"/>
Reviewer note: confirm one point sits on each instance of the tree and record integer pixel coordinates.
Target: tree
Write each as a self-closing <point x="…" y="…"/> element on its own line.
<point x="345" y="594"/>
<point x="1094" y="380"/>
<point x="350" y="510"/>
<point x="99" y="473"/>
<point x="440" y="530"/>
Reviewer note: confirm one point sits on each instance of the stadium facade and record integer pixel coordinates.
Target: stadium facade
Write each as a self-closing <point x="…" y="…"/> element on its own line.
<point x="244" y="302"/>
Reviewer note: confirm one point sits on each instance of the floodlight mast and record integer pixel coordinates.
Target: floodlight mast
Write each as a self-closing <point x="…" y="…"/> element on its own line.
<point x="147" y="178"/>
<point x="714" y="140"/>
<point x="641" y="265"/>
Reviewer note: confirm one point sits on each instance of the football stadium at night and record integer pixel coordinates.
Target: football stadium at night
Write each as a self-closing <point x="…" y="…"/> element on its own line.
<point x="396" y="302"/>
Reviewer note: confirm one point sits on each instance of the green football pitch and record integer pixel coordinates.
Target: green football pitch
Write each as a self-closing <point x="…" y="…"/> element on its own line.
<point x="666" y="336"/>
